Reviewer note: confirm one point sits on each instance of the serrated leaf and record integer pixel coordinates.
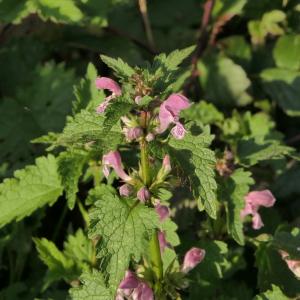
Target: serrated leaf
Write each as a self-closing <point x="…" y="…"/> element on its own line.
<point x="274" y="294"/>
<point x="59" y="265"/>
<point x="30" y="189"/>
<point x="251" y="151"/>
<point x="224" y="82"/>
<point x="125" y="227"/>
<point x="283" y="87"/>
<point x="171" y="61"/>
<point x="197" y="161"/>
<point x="92" y="288"/>
<point x="233" y="192"/>
<point x="122" y="69"/>
<point x="86" y="131"/>
<point x="70" y="165"/>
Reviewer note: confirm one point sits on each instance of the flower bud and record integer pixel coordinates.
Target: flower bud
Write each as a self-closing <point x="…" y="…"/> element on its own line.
<point x="162" y="211"/>
<point x="192" y="258"/>
<point x="163" y="243"/>
<point x="132" y="133"/>
<point x="125" y="190"/>
<point x="178" y="131"/>
<point x="150" y="137"/>
<point x="137" y="99"/>
<point x="143" y="194"/>
<point x="130" y="281"/>
<point x="167" y="164"/>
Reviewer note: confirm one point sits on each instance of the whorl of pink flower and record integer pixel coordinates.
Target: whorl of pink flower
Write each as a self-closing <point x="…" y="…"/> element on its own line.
<point x="253" y="201"/>
<point x="105" y="83"/>
<point x="192" y="258"/>
<point x="169" y="114"/>
<point x="293" y="265"/>
<point x="113" y="160"/>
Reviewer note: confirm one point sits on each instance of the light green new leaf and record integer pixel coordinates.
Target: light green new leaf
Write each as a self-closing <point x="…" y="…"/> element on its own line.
<point x="274" y="294"/>
<point x="92" y="288"/>
<point x="125" y="227"/>
<point x="197" y="161"/>
<point x="224" y="82"/>
<point x="283" y="86"/>
<point x="31" y="188"/>
<point x="70" y="166"/>
<point x="171" y="61"/>
<point x="233" y="192"/>
<point x="122" y="69"/>
<point x="286" y="52"/>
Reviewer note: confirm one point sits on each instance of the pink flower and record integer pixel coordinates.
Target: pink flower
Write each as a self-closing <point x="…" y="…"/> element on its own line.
<point x="130" y="281"/>
<point x="150" y="137"/>
<point x="105" y="83"/>
<point x="143" y="194"/>
<point x="163" y="243"/>
<point x="192" y="258"/>
<point x="125" y="190"/>
<point x="142" y="292"/>
<point x="132" y="133"/>
<point x="293" y="265"/>
<point x="167" y="164"/>
<point x="113" y="160"/>
<point x="169" y="114"/>
<point x="162" y="211"/>
<point x="253" y="201"/>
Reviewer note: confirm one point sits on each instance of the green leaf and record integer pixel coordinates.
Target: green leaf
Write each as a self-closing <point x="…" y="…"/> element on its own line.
<point x="92" y="288"/>
<point x="284" y="88"/>
<point x="40" y="107"/>
<point x="233" y="192"/>
<point x="171" y="61"/>
<point x="286" y="52"/>
<point x="289" y="242"/>
<point x="59" y="265"/>
<point x="251" y="151"/>
<point x="86" y="131"/>
<point x="70" y="165"/>
<point x="197" y="162"/>
<point x="204" y="112"/>
<point x="272" y="269"/>
<point x="31" y="188"/>
<point x="274" y="294"/>
<point x="86" y="93"/>
<point x="125" y="227"/>
<point x="224" y="82"/>
<point x="122" y="69"/>
<point x="58" y="11"/>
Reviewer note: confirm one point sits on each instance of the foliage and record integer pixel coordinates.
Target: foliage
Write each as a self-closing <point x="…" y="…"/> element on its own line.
<point x="70" y="229"/>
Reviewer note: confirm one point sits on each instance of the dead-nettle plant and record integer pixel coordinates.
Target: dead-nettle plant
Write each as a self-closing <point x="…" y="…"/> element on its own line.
<point x="130" y="140"/>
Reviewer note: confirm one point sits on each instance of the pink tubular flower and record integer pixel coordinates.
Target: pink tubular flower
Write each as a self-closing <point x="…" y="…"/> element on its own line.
<point x="105" y="83"/>
<point x="169" y="114"/>
<point x="113" y="160"/>
<point x="130" y="281"/>
<point x="162" y="211"/>
<point x="192" y="258"/>
<point x="293" y="265"/>
<point x="142" y="292"/>
<point x="125" y="190"/>
<point x="253" y="201"/>
<point x="143" y="194"/>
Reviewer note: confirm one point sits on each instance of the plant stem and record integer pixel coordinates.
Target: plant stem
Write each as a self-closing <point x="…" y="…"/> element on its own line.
<point x="155" y="256"/>
<point x="60" y="222"/>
